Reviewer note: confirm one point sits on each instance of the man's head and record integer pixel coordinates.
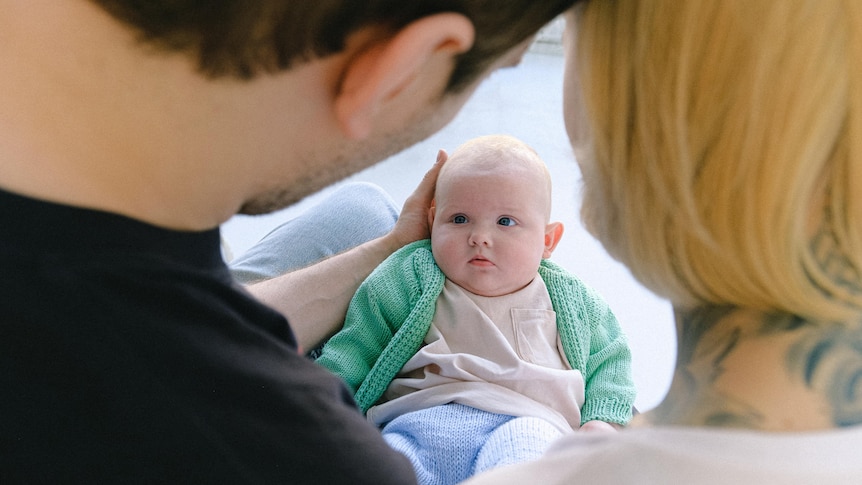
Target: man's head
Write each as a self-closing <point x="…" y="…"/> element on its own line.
<point x="490" y="220"/>
<point x="384" y="74"/>
<point x="245" y="37"/>
<point x="182" y="113"/>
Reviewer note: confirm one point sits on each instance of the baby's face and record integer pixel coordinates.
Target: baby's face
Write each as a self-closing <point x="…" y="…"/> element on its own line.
<point x="488" y="229"/>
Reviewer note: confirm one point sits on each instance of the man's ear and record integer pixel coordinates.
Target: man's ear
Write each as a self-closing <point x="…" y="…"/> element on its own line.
<point x="386" y="67"/>
<point x="553" y="234"/>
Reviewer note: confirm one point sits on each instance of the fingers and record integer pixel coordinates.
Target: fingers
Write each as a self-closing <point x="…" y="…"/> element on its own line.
<point x="412" y="224"/>
<point x="424" y="192"/>
<point x="595" y="426"/>
<point x="429" y="181"/>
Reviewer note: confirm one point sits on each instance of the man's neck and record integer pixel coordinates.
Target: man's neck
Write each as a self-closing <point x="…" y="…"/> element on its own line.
<point x="775" y="372"/>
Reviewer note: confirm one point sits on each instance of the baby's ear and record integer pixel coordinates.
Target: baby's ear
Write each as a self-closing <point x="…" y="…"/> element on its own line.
<point x="553" y="234"/>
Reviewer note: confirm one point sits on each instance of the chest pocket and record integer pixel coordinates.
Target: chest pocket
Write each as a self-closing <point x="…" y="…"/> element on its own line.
<point x="536" y="337"/>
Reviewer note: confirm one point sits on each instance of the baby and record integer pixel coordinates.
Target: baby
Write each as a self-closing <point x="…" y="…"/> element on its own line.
<point x="472" y="350"/>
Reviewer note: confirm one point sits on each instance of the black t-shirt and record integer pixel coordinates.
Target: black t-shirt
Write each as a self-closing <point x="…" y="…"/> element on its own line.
<point x="129" y="355"/>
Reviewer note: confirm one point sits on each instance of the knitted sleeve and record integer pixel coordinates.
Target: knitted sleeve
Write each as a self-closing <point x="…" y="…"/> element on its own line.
<point x="594" y="344"/>
<point x="386" y="322"/>
<point x="610" y="391"/>
<point x="368" y="327"/>
<point x="352" y="351"/>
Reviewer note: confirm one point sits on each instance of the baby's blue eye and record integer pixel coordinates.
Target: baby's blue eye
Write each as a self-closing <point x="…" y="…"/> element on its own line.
<point x="460" y="219"/>
<point x="506" y="221"/>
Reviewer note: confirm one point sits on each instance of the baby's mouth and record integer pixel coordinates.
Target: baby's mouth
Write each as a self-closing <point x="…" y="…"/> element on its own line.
<point x="480" y="260"/>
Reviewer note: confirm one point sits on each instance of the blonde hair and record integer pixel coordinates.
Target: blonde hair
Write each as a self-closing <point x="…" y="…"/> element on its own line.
<point x="725" y="143"/>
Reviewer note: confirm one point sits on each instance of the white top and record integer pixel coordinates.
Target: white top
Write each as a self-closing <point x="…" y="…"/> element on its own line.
<point x="499" y="354"/>
<point x="692" y="456"/>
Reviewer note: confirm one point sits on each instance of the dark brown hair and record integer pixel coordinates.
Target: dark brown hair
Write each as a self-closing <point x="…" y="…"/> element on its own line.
<point x="242" y="38"/>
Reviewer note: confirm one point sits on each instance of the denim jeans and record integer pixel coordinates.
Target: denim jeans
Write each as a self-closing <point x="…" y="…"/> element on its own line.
<point x="355" y="213"/>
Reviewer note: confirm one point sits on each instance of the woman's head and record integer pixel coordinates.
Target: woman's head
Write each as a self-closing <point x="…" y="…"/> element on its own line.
<point x="721" y="147"/>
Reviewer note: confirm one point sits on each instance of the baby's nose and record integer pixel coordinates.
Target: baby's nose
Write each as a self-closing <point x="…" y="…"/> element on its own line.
<point x="480" y="237"/>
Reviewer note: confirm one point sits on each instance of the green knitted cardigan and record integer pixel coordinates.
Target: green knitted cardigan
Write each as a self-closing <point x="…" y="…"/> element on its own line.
<point x="391" y="313"/>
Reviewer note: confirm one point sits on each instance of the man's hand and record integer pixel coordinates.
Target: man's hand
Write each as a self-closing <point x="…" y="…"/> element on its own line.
<point x="412" y="224"/>
<point x="315" y="298"/>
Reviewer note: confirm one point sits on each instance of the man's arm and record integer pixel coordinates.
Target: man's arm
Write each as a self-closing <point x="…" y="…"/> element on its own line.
<point x="315" y="298"/>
